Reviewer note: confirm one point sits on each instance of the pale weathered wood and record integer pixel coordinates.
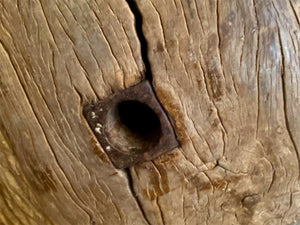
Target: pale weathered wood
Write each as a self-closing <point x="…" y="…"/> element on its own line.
<point x="227" y="72"/>
<point x="54" y="56"/>
<point x="18" y="204"/>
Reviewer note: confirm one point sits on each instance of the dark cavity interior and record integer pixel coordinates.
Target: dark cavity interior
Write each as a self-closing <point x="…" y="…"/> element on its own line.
<point x="134" y="127"/>
<point x="138" y="117"/>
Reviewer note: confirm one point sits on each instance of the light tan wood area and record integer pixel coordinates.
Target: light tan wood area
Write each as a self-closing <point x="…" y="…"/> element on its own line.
<point x="226" y="71"/>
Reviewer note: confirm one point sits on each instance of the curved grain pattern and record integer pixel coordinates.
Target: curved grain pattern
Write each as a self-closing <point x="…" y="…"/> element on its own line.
<point x="18" y="204"/>
<point x="228" y="74"/>
<point x="54" y="57"/>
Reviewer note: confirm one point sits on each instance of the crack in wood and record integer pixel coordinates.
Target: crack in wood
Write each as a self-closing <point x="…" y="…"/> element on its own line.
<point x="131" y="188"/>
<point x="139" y="31"/>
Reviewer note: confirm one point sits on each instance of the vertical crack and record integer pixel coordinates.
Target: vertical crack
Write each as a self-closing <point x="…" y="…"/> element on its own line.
<point x="130" y="185"/>
<point x="139" y="31"/>
<point x="148" y="76"/>
<point x="257" y="66"/>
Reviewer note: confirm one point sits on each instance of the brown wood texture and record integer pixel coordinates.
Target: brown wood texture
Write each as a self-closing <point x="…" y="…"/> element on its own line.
<point x="227" y="73"/>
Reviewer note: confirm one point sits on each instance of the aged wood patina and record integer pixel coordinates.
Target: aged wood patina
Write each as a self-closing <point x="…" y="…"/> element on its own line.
<point x="226" y="72"/>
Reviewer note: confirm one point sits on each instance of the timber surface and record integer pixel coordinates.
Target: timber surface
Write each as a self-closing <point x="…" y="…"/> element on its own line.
<point x="227" y="73"/>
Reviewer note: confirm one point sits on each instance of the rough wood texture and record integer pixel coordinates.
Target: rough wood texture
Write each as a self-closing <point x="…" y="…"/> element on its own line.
<point x="227" y="73"/>
<point x="53" y="57"/>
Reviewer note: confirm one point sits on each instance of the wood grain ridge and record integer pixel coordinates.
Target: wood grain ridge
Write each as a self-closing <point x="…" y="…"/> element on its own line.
<point x="228" y="74"/>
<point x="54" y="57"/>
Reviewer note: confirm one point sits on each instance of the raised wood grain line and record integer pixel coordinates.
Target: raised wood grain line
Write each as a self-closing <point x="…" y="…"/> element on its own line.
<point x="295" y="12"/>
<point x="248" y="103"/>
<point x="15" y="191"/>
<point x="46" y="68"/>
<point x="44" y="133"/>
<point x="160" y="211"/>
<point x="125" y="33"/>
<point x="257" y="65"/>
<point x="285" y="71"/>
<point x="287" y="122"/>
<point x="226" y="72"/>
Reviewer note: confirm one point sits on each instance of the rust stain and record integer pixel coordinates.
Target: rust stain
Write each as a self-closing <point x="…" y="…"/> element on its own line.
<point x="97" y="152"/>
<point x="202" y="186"/>
<point x="165" y="98"/>
<point x="154" y="182"/>
<point x="206" y="186"/>
<point x="152" y="195"/>
<point x="219" y="184"/>
<point x="126" y="144"/>
<point x="45" y="181"/>
<point x="165" y="159"/>
<point x="145" y="193"/>
<point x="164" y="179"/>
<point x="158" y="183"/>
<point x="222" y="183"/>
<point x="41" y="179"/>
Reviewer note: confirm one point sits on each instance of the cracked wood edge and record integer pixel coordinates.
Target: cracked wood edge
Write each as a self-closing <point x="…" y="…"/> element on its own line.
<point x="56" y="56"/>
<point x="227" y="72"/>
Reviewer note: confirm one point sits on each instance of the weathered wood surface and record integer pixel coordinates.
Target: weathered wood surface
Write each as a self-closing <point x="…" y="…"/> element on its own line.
<point x="227" y="73"/>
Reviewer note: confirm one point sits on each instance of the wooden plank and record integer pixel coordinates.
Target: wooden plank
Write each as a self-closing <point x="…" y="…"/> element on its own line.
<point x="228" y="74"/>
<point x="54" y="57"/>
<point x="18" y="204"/>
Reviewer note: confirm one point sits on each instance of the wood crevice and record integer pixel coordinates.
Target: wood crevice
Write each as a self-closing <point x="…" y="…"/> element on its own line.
<point x="138" y="19"/>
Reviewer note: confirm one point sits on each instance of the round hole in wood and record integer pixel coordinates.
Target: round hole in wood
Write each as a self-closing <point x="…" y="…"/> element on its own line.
<point x="133" y="127"/>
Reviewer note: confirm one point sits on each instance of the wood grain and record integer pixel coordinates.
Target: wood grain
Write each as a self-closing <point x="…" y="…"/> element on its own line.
<point x="227" y="73"/>
<point x="54" y="57"/>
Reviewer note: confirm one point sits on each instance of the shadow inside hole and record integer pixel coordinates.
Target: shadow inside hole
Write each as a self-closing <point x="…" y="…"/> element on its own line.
<point x="133" y="127"/>
<point x="138" y="117"/>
